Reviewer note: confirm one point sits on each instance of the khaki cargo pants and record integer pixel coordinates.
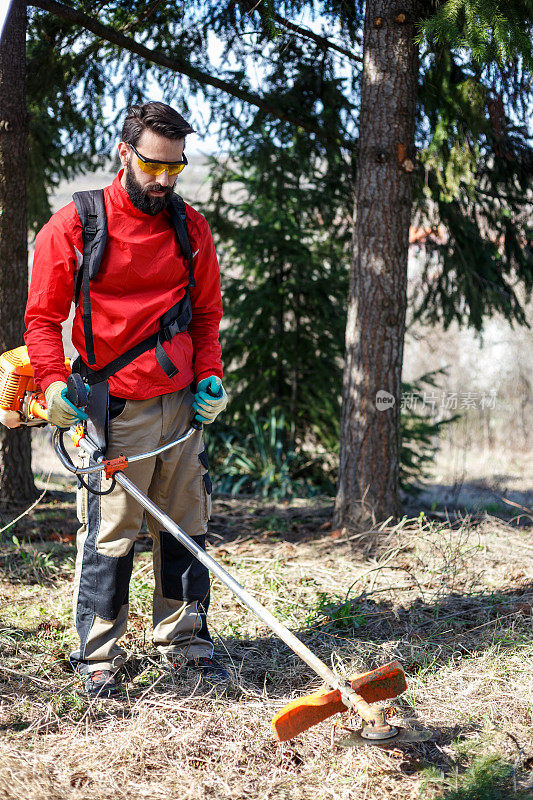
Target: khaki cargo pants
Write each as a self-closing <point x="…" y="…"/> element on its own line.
<point x="178" y="482"/>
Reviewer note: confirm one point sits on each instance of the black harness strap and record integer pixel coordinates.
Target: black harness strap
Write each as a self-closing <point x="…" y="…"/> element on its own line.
<point x="91" y="210"/>
<point x="176" y="320"/>
<point x="179" y="220"/>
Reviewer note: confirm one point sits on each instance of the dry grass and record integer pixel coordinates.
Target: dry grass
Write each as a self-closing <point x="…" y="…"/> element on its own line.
<point x="451" y="602"/>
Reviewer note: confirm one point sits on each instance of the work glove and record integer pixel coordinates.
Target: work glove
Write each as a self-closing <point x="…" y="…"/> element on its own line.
<point x="61" y="412"/>
<point x="210" y="399"/>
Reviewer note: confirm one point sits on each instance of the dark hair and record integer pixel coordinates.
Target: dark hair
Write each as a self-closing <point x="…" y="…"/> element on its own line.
<point x="157" y="117"/>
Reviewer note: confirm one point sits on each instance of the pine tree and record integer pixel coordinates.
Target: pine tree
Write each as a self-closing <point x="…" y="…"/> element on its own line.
<point x="370" y="433"/>
<point x="16" y="478"/>
<point x="478" y="193"/>
<point x="284" y="239"/>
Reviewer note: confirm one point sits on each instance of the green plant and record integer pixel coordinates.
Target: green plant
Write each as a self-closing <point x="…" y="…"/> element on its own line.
<point x="286" y="239"/>
<point x="335" y="614"/>
<point x="260" y="459"/>
<point x="487" y="778"/>
<point x="32" y="563"/>
<point x="495" y="508"/>
<point x="272" y="522"/>
<point x="142" y="588"/>
<point x="261" y="455"/>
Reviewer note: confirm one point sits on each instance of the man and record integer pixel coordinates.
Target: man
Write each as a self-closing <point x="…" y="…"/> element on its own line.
<point x="142" y="276"/>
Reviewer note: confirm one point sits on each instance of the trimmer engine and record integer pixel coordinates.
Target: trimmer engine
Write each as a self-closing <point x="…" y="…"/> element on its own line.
<point x="21" y="402"/>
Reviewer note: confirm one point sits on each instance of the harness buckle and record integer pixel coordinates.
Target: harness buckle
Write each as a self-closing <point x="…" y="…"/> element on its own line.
<point x="165" y="334"/>
<point x="169" y="331"/>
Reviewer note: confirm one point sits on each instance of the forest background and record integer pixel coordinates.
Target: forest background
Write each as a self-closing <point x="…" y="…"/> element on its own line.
<point x="288" y="99"/>
<point x="372" y="186"/>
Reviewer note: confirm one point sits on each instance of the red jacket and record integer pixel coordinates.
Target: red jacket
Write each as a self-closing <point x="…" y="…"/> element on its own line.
<point x="142" y="274"/>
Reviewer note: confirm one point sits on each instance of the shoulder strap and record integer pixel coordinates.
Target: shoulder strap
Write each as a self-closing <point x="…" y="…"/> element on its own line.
<point x="178" y="215"/>
<point x="91" y="211"/>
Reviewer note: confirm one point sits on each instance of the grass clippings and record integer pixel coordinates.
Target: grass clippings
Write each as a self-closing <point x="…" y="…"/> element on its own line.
<point x="450" y="600"/>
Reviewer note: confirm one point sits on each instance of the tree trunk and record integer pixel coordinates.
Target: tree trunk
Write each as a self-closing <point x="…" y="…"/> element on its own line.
<point x="370" y="439"/>
<point x="16" y="477"/>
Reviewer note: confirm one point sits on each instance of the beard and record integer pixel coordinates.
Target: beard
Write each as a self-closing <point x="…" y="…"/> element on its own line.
<point x="141" y="199"/>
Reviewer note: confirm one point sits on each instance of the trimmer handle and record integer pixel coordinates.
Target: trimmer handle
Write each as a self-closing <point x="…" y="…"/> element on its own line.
<point x="218" y="393"/>
<point x="76" y="393"/>
<point x="195" y="423"/>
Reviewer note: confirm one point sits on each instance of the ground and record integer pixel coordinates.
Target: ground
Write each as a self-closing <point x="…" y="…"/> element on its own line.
<point x="448" y="597"/>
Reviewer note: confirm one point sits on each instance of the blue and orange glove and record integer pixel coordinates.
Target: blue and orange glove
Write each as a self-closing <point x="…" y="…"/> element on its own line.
<point x="210" y="399"/>
<point x="61" y="412"/>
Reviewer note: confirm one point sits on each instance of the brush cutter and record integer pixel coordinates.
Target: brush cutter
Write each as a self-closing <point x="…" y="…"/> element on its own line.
<point x="356" y="693"/>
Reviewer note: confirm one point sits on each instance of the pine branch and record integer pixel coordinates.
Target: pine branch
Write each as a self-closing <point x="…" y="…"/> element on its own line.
<point x="305" y="33"/>
<point x="149" y="10"/>
<point x="184" y="67"/>
<point x="497" y="195"/>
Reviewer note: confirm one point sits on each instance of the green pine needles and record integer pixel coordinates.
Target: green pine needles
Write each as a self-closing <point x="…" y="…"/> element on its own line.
<point x="474" y="141"/>
<point x="280" y="215"/>
<point x="493" y="30"/>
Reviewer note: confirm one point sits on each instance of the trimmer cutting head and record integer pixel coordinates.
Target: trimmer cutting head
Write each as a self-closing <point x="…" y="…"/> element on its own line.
<point x="297" y="716"/>
<point x="397" y="736"/>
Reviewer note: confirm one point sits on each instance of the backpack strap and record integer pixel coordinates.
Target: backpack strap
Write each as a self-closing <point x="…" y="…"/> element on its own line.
<point x="91" y="211"/>
<point x="178" y="215"/>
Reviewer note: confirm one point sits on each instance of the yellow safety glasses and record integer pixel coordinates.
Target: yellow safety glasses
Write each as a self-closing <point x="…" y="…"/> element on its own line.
<point x="157" y="167"/>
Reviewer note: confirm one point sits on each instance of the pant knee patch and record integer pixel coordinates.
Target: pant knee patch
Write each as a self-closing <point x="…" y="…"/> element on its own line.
<point x="183" y="577"/>
<point x="104" y="583"/>
<point x="104" y="580"/>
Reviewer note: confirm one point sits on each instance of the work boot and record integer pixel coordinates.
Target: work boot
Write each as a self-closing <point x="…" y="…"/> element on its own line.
<point x="101" y="684"/>
<point x="206" y="667"/>
<point x="209" y="669"/>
